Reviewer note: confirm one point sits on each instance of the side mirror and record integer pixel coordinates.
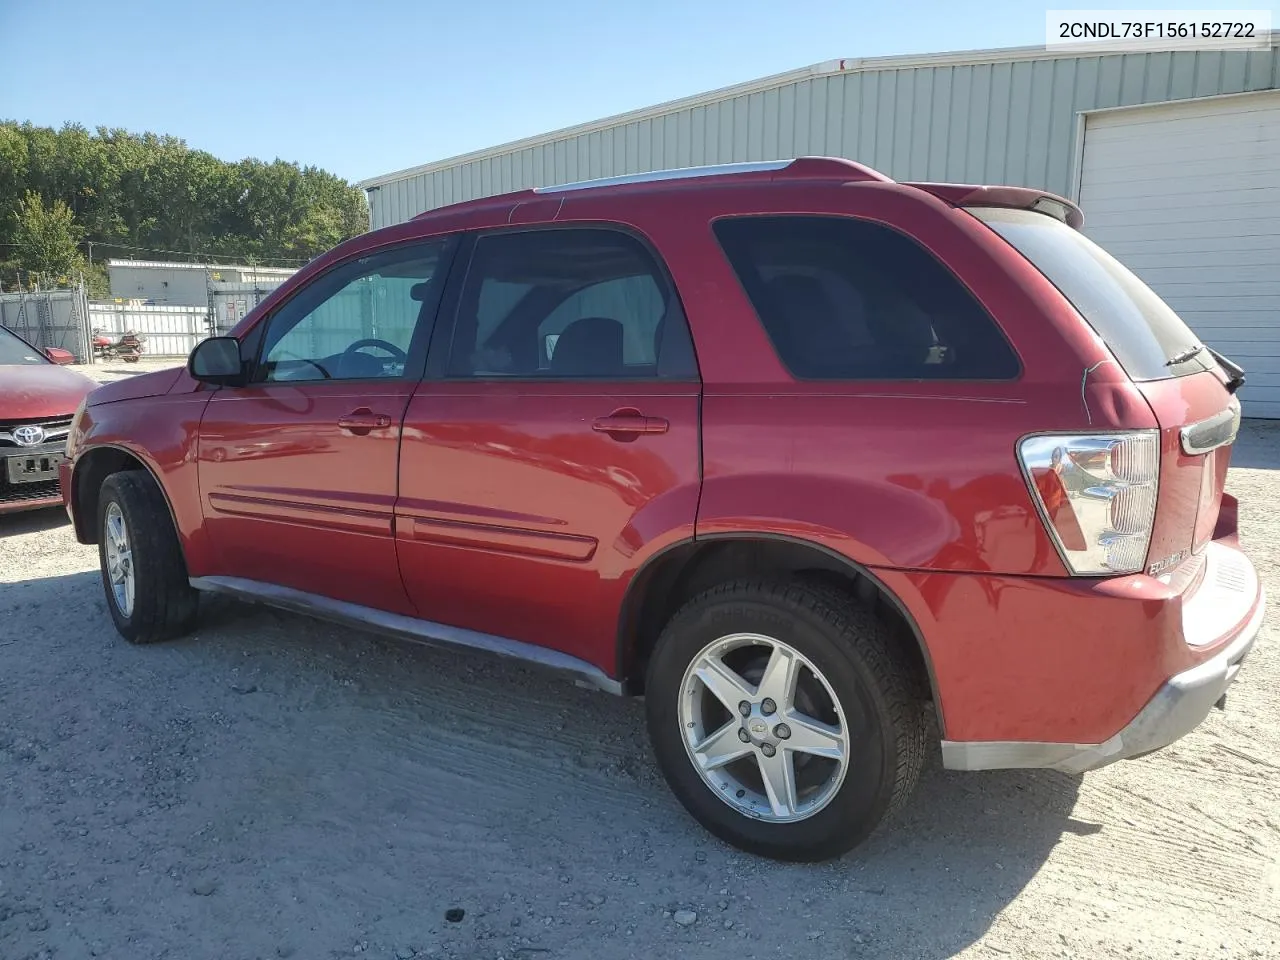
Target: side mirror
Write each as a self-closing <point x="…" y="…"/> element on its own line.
<point x="60" y="356"/>
<point x="216" y="360"/>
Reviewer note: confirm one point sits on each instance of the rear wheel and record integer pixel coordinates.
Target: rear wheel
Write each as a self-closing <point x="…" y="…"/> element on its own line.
<point x="784" y="718"/>
<point x="143" y="571"/>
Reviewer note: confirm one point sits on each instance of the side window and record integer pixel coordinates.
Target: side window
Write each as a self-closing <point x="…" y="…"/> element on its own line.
<point x="847" y="299"/>
<point x="568" y="304"/>
<point x="357" y="322"/>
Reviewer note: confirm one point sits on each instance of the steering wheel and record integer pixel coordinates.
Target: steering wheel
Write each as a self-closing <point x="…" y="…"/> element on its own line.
<point x="397" y="354"/>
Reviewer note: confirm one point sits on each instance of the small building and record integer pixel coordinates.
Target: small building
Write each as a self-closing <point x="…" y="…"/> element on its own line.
<point x="1174" y="157"/>
<point x="186" y="284"/>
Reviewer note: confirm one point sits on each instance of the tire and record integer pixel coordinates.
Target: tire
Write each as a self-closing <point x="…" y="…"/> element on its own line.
<point x="162" y="604"/>
<point x="853" y="680"/>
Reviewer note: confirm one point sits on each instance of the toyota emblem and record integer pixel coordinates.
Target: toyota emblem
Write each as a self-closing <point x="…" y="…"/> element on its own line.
<point x="28" y="436"/>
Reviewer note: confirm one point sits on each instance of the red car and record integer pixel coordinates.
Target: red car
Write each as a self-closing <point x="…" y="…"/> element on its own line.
<point x="37" y="401"/>
<point x="811" y="459"/>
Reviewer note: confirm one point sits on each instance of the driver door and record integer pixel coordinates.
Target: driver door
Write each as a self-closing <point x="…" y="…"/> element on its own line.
<point x="298" y="469"/>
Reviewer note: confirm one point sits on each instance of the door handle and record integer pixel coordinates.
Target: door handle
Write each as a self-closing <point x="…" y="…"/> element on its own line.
<point x="629" y="424"/>
<point x="361" y="421"/>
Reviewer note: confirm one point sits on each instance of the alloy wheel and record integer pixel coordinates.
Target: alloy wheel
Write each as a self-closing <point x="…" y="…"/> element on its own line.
<point x="764" y="728"/>
<point x="120" y="570"/>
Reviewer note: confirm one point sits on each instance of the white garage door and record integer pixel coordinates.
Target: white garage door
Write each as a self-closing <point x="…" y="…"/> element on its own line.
<point x="1188" y="196"/>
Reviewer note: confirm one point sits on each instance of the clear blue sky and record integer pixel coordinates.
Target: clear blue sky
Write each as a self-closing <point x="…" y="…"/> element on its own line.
<point x="363" y="88"/>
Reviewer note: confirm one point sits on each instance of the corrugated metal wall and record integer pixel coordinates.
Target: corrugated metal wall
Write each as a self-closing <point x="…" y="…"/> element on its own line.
<point x="996" y="122"/>
<point x="170" y="331"/>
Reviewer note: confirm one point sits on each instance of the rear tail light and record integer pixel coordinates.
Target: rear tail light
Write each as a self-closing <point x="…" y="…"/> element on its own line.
<point x="1097" y="495"/>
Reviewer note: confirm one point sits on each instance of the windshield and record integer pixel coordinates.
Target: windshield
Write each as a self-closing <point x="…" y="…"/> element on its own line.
<point x="14" y="351"/>
<point x="1147" y="338"/>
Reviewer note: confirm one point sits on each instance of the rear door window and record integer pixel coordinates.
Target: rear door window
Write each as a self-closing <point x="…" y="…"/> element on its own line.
<point x="847" y="299"/>
<point x="568" y="303"/>
<point x="1147" y="338"/>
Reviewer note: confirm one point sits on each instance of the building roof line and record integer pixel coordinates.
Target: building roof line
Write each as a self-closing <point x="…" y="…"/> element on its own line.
<point x="826" y="68"/>
<point x="173" y="265"/>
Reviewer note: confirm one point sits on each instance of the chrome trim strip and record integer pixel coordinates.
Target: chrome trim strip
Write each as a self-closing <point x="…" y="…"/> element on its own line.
<point x="676" y="173"/>
<point x="503" y="539"/>
<point x="1212" y="432"/>
<point x="406" y="628"/>
<point x="1177" y="708"/>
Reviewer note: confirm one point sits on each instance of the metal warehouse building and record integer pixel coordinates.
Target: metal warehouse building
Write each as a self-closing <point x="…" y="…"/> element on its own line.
<point x="1175" y="158"/>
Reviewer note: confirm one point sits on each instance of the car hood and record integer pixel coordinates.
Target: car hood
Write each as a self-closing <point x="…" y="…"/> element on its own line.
<point x="136" y="388"/>
<point x="39" y="391"/>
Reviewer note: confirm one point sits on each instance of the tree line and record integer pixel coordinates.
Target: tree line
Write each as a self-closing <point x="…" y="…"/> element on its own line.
<point x="68" y="196"/>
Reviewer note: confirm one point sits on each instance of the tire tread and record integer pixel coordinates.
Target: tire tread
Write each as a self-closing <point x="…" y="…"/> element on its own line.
<point x="164" y="605"/>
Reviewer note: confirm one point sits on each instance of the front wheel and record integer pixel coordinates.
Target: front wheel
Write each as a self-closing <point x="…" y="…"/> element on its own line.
<point x="144" y="574"/>
<point x="785" y="718"/>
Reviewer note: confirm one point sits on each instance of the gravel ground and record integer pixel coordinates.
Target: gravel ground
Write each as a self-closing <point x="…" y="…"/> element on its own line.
<point x="272" y="787"/>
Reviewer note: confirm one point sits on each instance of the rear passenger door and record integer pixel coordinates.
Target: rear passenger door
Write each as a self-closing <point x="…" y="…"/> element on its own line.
<point x="554" y="441"/>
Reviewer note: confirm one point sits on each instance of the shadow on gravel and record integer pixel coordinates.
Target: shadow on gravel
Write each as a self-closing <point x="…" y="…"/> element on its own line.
<point x="965" y="848"/>
<point x="1257" y="446"/>
<point x="35" y="521"/>
<point x="389" y="782"/>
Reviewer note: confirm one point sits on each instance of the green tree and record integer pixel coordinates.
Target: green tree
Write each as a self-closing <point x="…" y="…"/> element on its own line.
<point x="97" y="282"/>
<point x="150" y="195"/>
<point x="13" y="174"/>
<point x="46" y="239"/>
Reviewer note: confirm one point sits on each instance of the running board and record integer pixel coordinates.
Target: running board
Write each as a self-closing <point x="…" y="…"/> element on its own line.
<point x="406" y="628"/>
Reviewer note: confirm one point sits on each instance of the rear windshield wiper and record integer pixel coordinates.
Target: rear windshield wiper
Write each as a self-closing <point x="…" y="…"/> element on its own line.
<point x="1185" y="355"/>
<point x="1235" y="372"/>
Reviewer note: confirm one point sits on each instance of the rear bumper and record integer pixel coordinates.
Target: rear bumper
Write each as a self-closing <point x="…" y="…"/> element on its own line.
<point x="1074" y="672"/>
<point x="1177" y="708"/>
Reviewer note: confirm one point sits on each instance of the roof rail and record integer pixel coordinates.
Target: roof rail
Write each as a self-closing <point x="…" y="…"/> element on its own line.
<point x="826" y="168"/>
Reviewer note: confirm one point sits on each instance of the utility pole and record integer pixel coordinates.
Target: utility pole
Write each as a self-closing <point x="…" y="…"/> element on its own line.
<point x="90" y="243"/>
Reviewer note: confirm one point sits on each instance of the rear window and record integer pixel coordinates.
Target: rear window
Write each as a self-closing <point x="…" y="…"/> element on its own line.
<point x="847" y="299"/>
<point x="1147" y="338"/>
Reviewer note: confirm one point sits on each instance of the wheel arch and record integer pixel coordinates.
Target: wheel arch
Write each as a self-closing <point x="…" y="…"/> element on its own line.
<point x="92" y="467"/>
<point x="681" y="570"/>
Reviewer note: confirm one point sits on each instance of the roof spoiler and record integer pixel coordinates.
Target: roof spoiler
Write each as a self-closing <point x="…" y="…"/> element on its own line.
<point x="1016" y="198"/>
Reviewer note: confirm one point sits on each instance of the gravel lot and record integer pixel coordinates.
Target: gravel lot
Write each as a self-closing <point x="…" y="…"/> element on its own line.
<point x="276" y="788"/>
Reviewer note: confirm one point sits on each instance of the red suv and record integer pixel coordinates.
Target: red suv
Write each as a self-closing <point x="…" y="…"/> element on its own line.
<point x="811" y="459"/>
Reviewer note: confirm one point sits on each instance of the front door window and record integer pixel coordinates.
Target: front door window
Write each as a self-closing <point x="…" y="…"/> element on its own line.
<point x="358" y="322"/>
